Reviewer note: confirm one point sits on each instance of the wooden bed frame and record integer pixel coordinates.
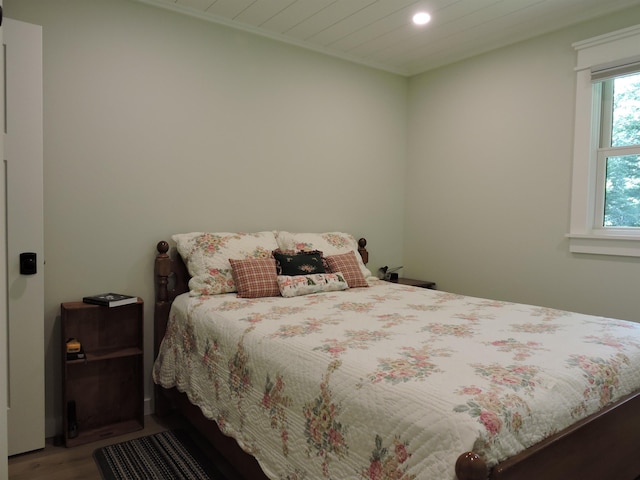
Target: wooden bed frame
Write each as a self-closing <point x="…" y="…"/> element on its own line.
<point x="604" y="446"/>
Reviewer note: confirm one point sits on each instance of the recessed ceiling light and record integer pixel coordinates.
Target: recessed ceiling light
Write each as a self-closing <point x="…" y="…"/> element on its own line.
<point x="421" y="18"/>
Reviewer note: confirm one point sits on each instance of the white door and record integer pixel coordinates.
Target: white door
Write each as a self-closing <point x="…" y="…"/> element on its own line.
<point x="4" y="468"/>
<point x="24" y="196"/>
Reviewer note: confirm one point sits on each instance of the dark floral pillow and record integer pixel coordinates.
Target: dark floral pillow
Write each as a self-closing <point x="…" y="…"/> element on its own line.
<point x="301" y="263"/>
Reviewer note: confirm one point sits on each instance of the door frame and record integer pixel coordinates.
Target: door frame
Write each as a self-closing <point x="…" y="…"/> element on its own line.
<point x="4" y="449"/>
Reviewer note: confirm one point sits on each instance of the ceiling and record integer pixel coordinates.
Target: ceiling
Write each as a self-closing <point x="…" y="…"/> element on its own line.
<point x="380" y="34"/>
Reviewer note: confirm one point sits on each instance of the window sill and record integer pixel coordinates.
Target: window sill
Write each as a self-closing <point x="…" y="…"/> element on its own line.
<point x="605" y="244"/>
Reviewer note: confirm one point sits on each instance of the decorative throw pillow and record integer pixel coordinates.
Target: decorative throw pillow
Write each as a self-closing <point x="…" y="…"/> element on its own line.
<point x="347" y="264"/>
<point x="329" y="243"/>
<point x="207" y="257"/>
<point x="255" y="277"/>
<point x="302" y="263"/>
<point x="295" y="285"/>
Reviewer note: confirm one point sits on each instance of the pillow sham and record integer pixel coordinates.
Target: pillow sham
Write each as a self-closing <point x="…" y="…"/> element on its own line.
<point x="329" y="243"/>
<point x="207" y="255"/>
<point x="301" y="263"/>
<point x="295" y="285"/>
<point x="255" y="277"/>
<point x="347" y="263"/>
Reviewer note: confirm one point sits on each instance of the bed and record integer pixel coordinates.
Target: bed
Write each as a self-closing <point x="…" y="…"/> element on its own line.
<point x="301" y="377"/>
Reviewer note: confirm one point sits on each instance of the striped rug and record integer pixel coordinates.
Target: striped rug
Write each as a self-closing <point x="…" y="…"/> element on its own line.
<point x="167" y="455"/>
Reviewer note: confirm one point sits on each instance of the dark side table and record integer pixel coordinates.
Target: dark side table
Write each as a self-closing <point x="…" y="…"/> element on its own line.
<point x="415" y="283"/>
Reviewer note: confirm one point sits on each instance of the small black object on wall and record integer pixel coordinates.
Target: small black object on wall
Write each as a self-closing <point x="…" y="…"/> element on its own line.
<point x="28" y="263"/>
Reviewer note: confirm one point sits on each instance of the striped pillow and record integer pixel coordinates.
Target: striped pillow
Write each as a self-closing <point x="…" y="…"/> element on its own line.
<point x="255" y="277"/>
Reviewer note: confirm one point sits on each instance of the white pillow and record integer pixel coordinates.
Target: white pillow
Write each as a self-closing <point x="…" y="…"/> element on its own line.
<point x="207" y="257"/>
<point x="329" y="243"/>
<point x="295" y="285"/>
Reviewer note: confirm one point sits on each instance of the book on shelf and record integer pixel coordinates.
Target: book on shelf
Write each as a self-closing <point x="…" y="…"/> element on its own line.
<point x="110" y="299"/>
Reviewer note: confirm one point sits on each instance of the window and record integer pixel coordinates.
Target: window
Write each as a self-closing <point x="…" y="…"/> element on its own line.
<point x="618" y="182"/>
<point x="605" y="202"/>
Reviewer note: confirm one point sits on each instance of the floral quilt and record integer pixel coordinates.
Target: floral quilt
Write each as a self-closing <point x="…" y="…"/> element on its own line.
<point x="391" y="382"/>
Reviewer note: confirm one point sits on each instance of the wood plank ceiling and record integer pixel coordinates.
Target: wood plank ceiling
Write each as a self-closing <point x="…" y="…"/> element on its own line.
<point x="380" y="33"/>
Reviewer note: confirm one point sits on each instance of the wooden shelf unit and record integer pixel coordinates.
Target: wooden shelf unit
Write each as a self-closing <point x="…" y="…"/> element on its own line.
<point x="107" y="385"/>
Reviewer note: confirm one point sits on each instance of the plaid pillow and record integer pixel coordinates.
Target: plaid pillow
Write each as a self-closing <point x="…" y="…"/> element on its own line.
<point x="255" y="277"/>
<point x="347" y="263"/>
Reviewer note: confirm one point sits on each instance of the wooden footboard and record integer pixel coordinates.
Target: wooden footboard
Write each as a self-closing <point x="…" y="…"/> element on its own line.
<point x="604" y="446"/>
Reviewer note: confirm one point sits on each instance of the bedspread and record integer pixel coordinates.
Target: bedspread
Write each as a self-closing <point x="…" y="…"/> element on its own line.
<point x="391" y="382"/>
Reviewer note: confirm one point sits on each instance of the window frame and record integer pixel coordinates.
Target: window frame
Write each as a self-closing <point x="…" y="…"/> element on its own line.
<point x="596" y="54"/>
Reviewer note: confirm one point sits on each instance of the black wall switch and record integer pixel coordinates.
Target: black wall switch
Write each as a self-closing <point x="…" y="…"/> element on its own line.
<point x="28" y="263"/>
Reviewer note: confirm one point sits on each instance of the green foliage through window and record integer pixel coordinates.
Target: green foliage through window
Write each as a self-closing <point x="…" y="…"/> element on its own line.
<point x="622" y="192"/>
<point x="622" y="189"/>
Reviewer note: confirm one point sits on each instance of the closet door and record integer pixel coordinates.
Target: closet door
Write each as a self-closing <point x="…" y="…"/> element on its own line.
<point x="23" y="154"/>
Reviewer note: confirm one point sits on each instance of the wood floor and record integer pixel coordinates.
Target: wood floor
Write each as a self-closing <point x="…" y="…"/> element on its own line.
<point x="61" y="463"/>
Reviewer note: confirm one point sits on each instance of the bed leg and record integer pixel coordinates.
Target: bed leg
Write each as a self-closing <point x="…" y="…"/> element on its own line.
<point x="470" y="466"/>
<point x="163" y="406"/>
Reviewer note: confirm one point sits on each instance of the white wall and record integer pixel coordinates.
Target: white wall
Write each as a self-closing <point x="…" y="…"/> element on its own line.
<point x="489" y="178"/>
<point x="157" y="123"/>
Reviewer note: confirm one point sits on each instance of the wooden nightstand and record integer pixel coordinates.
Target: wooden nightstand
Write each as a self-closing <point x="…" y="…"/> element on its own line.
<point x="416" y="283"/>
<point x="104" y="390"/>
